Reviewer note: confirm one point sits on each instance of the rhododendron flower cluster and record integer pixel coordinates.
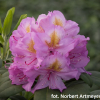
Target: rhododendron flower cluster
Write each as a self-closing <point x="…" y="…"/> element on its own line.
<point x="46" y="52"/>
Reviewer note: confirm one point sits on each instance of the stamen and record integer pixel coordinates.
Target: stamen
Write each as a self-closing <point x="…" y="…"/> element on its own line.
<point x="30" y="62"/>
<point x="23" y="77"/>
<point x="72" y="57"/>
<point x="49" y="76"/>
<point x="14" y="38"/>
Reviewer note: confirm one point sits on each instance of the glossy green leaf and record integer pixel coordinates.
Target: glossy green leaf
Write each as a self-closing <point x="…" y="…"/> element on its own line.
<point x="30" y="95"/>
<point x="5" y="74"/>
<point x="3" y="70"/>
<point x="7" y="89"/>
<point x="8" y="21"/>
<point x="87" y="78"/>
<point x="96" y="92"/>
<point x="74" y="90"/>
<point x="22" y="17"/>
<point x="94" y="87"/>
<point x="46" y="94"/>
<point x="1" y="39"/>
<point x="17" y="97"/>
<point x="4" y="79"/>
<point x="53" y="94"/>
<point x="95" y="77"/>
<point x="40" y="94"/>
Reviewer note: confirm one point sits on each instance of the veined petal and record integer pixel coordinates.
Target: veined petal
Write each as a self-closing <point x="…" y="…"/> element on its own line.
<point x="55" y="33"/>
<point x="40" y="17"/>
<point x="27" y="86"/>
<point x="26" y="24"/>
<point x="80" y="61"/>
<point x="57" y="18"/>
<point x="14" y="39"/>
<point x="45" y="23"/>
<point x="68" y="74"/>
<point x="71" y="28"/>
<point x="66" y="45"/>
<point x="42" y="83"/>
<point x="28" y="41"/>
<point x="56" y="82"/>
<point x="78" y="56"/>
<point x="17" y="75"/>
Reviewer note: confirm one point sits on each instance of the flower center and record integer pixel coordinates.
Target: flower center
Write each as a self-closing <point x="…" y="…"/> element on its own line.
<point x="28" y="29"/>
<point x="31" y="46"/>
<point x="54" y="40"/>
<point x="55" y="66"/>
<point x="58" y="22"/>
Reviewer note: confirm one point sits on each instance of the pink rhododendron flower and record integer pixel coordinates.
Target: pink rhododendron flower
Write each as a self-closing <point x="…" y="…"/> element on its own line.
<point x="53" y="40"/>
<point x="48" y="50"/>
<point x="57" y="18"/>
<point x="24" y="28"/>
<point x="78" y="56"/>
<point x="18" y="77"/>
<point x="53" y="69"/>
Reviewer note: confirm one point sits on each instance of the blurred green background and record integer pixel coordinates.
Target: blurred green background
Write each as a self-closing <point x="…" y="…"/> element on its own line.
<point x="85" y="12"/>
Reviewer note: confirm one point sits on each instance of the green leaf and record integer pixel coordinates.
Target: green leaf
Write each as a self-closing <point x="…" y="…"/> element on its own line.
<point x="7" y="89"/>
<point x="40" y="94"/>
<point x="4" y="77"/>
<point x="87" y="78"/>
<point x="17" y="97"/>
<point x="0" y="26"/>
<point x="1" y="39"/>
<point x="30" y="95"/>
<point x="2" y="70"/>
<point x="53" y="94"/>
<point x="96" y="92"/>
<point x="5" y="74"/>
<point x="8" y="99"/>
<point x="75" y="89"/>
<point x="94" y="87"/>
<point x="8" y="21"/>
<point x="95" y="77"/>
<point x="21" y="17"/>
<point x="46" y="94"/>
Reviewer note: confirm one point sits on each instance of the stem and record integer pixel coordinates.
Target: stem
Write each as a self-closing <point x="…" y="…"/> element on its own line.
<point x="26" y="95"/>
<point x="31" y="97"/>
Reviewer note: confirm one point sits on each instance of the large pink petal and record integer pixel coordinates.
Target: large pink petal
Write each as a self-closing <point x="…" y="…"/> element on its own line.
<point x="71" y="28"/>
<point x="57" y="18"/>
<point x="42" y="83"/>
<point x="68" y="74"/>
<point x="56" y="82"/>
<point x="27" y="86"/>
<point x="66" y="45"/>
<point x="16" y="75"/>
